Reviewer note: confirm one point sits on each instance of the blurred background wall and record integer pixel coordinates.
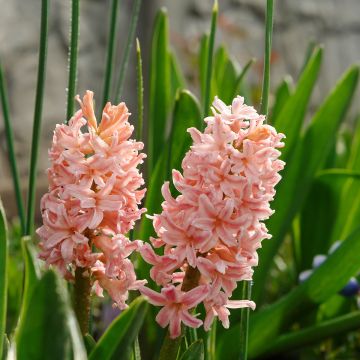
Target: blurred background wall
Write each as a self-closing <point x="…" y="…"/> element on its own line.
<point x="336" y="24"/>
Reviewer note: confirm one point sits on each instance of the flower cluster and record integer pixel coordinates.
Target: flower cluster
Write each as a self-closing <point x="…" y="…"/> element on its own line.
<point x="93" y="199"/>
<point x="211" y="231"/>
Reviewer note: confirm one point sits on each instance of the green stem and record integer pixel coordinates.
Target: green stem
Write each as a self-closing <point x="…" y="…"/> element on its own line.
<point x="210" y="55"/>
<point x="267" y="57"/>
<point x="114" y="13"/>
<point x="37" y="117"/>
<point x="73" y="54"/>
<point x="211" y="342"/>
<point x="11" y="151"/>
<point x="82" y="288"/>
<point x="129" y="41"/>
<point x="140" y="93"/>
<point x="244" y="322"/>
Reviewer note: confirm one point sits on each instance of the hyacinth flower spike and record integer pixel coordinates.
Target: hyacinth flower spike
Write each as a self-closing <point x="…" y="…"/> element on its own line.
<point x="210" y="233"/>
<point x="94" y="200"/>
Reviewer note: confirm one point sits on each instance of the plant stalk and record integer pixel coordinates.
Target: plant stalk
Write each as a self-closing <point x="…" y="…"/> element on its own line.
<point x="11" y="151"/>
<point x="39" y="99"/>
<point x="267" y="58"/>
<point x="82" y="290"/>
<point x="244" y="322"/>
<point x="73" y="54"/>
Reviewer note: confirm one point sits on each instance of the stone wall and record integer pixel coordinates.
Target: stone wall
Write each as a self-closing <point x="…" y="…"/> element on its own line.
<point x="334" y="23"/>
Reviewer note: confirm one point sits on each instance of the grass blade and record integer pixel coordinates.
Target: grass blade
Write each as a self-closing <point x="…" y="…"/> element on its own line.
<point x="210" y="54"/>
<point x="110" y="52"/>
<point x="3" y="275"/>
<point x="266" y="73"/>
<point x="35" y="143"/>
<point x="140" y="93"/>
<point x="130" y="39"/>
<point x="11" y="150"/>
<point x="73" y="54"/>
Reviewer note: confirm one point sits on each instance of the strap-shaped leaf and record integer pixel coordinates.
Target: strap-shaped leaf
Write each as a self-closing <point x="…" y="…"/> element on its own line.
<point x="3" y="274"/>
<point x="117" y="341"/>
<point x="325" y="281"/>
<point x="48" y="328"/>
<point x="291" y="117"/>
<point x="160" y="89"/>
<point x="308" y="158"/>
<point x="194" y="352"/>
<point x="313" y="334"/>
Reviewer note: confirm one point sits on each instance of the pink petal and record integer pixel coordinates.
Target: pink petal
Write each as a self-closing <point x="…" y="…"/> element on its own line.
<point x="195" y="296"/>
<point x="153" y="297"/>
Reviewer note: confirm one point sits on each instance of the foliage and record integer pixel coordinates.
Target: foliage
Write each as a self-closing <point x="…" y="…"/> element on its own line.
<point x="317" y="203"/>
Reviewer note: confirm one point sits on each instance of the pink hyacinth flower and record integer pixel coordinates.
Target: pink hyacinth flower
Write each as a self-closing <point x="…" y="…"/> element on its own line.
<point x="210" y="233"/>
<point x="94" y="199"/>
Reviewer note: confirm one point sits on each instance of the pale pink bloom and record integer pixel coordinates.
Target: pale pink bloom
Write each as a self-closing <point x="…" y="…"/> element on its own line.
<point x="216" y="223"/>
<point x="94" y="198"/>
<point x="176" y="306"/>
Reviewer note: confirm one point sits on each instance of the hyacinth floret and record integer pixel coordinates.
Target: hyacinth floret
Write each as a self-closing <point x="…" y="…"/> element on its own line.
<point x="209" y="234"/>
<point x="95" y="191"/>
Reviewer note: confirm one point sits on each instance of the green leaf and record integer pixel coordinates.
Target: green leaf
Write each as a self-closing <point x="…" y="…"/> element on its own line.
<point x="153" y="196"/>
<point x="267" y="57"/>
<point x="129" y="42"/>
<point x="326" y="280"/>
<point x="209" y="58"/>
<point x="204" y="43"/>
<point x="329" y="175"/>
<point x="3" y="273"/>
<point x="39" y="99"/>
<point x="110" y="51"/>
<point x="48" y="328"/>
<point x="240" y="79"/>
<point x="349" y="208"/>
<point x="73" y="55"/>
<point x="317" y="217"/>
<point x="177" y="77"/>
<point x="194" y="352"/>
<point x="6" y="347"/>
<point x="140" y="93"/>
<point x="186" y="114"/>
<point x="160" y="87"/>
<point x="227" y="86"/>
<point x="308" y="158"/>
<point x="290" y="118"/>
<point x="282" y="95"/>
<point x="89" y="343"/>
<point x="117" y="341"/>
<point x="314" y="334"/>
<point x="11" y="150"/>
<point x="32" y="270"/>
